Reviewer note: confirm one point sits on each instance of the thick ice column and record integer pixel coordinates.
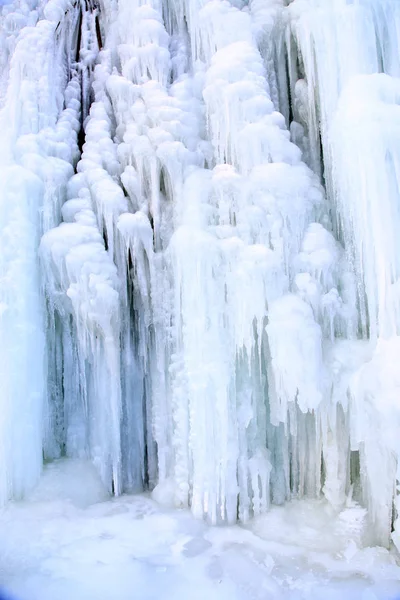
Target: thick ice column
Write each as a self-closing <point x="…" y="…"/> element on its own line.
<point x="210" y="393"/>
<point x="366" y="173"/>
<point x="364" y="140"/>
<point x="339" y="89"/>
<point x="35" y="161"/>
<point x="22" y="340"/>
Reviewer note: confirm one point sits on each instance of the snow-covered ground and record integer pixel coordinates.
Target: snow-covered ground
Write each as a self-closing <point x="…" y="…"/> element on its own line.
<point x="69" y="541"/>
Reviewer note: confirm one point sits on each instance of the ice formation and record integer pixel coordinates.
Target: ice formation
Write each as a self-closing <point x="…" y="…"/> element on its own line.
<point x="199" y="250"/>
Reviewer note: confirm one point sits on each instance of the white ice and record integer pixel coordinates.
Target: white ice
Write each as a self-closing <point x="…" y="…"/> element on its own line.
<point x="199" y="294"/>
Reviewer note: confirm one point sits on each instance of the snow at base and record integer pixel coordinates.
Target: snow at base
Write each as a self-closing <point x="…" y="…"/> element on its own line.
<point x="199" y="254"/>
<point x="67" y="541"/>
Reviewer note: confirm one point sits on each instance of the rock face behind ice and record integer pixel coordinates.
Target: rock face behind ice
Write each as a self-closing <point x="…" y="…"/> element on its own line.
<point x="182" y="302"/>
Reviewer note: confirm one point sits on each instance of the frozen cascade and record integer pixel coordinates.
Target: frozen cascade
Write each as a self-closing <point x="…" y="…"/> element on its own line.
<point x="199" y="252"/>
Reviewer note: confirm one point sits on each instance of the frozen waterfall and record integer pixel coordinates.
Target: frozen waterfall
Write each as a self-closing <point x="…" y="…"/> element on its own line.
<point x="200" y="250"/>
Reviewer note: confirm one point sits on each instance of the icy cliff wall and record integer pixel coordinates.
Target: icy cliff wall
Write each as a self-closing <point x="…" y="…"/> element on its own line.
<point x="213" y="306"/>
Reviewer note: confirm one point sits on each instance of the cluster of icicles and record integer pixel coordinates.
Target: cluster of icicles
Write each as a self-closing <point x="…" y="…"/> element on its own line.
<point x="200" y="250"/>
